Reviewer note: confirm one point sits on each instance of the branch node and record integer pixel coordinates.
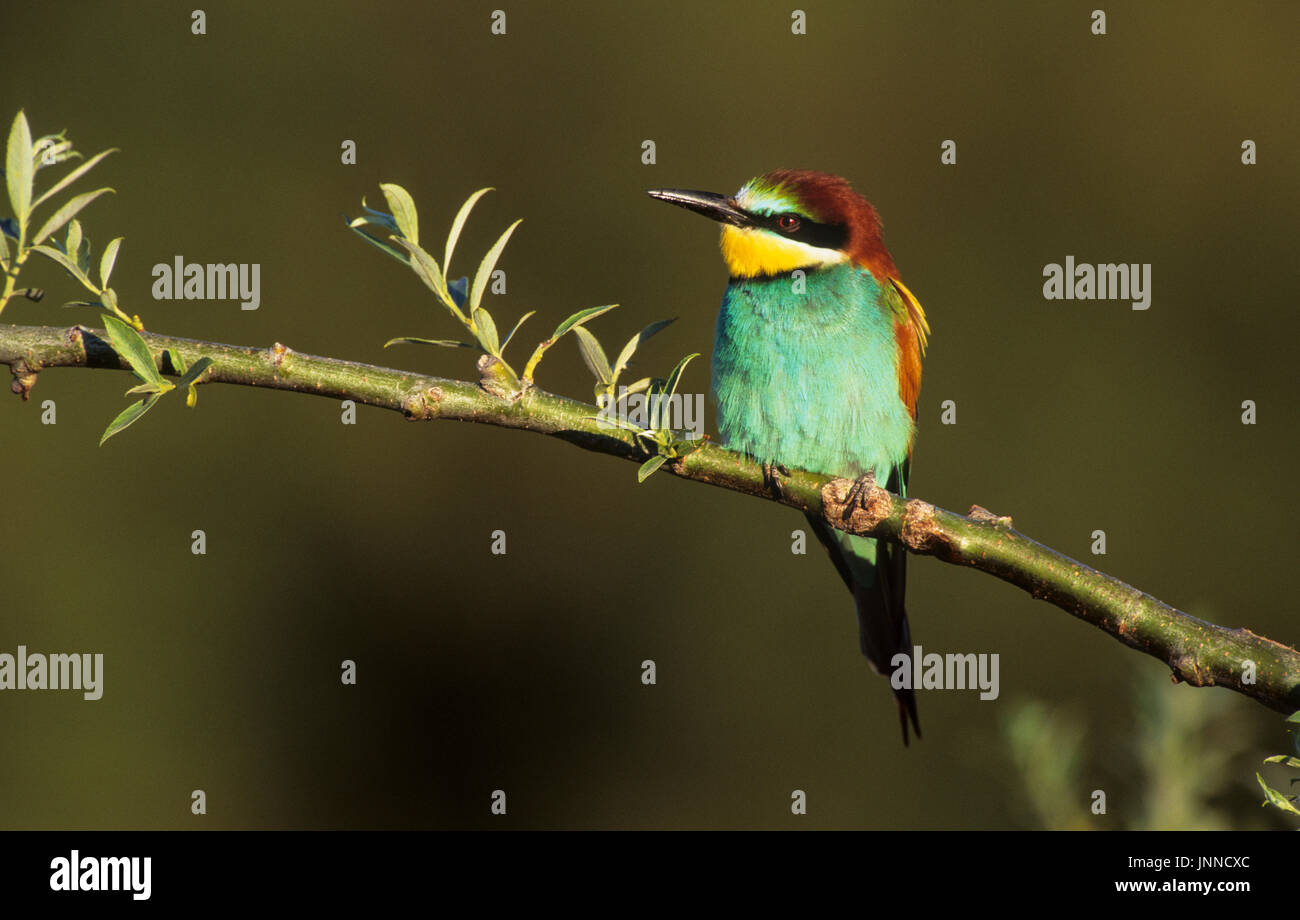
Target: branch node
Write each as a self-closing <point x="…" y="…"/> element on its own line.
<point x="24" y="379"/>
<point x="496" y="377"/>
<point x="859" y="503"/>
<point x="985" y="516"/>
<point x="920" y="532"/>
<point x="278" y="353"/>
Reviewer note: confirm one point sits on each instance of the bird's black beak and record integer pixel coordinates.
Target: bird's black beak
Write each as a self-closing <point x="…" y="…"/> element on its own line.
<point x="721" y="208"/>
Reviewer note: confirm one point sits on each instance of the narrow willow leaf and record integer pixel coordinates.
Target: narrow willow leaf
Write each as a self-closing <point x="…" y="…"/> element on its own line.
<point x="1275" y="798"/>
<point x="636" y="342"/>
<point x="129" y="345"/>
<point x="580" y="317"/>
<point x="72" y="177"/>
<point x="4" y="252"/>
<point x="380" y="244"/>
<point x="72" y="242"/>
<point x="18" y="167"/>
<point x="459" y="290"/>
<point x="593" y="355"/>
<point x="511" y="334"/>
<point x="671" y="386"/>
<point x="148" y="388"/>
<point x="130" y="415"/>
<point x="648" y="468"/>
<point x="50" y="150"/>
<point x="639" y="387"/>
<point x="487" y="331"/>
<point x="484" y="273"/>
<point x="445" y="343"/>
<point x="542" y="347"/>
<point x="109" y="298"/>
<point x="83" y="257"/>
<point x="70" y="266"/>
<point x="423" y="265"/>
<point x="1294" y="717"/>
<point x="459" y="224"/>
<point x="195" y="372"/>
<point x="1283" y="759"/>
<point x="379" y="218"/>
<point x="67" y="212"/>
<point x="403" y="208"/>
<point x="107" y="260"/>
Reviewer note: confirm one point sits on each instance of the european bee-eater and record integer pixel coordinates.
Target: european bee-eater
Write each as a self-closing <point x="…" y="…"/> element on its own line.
<point x="817" y="364"/>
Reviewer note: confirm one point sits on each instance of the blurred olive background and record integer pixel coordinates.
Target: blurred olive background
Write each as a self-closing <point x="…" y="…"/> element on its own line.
<point x="371" y="542"/>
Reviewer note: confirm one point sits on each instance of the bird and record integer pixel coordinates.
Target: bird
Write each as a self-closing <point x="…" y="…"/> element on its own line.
<point x="817" y="365"/>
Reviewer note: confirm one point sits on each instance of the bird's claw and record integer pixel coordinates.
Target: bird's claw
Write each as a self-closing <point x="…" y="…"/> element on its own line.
<point x="860" y="489"/>
<point x="772" y="473"/>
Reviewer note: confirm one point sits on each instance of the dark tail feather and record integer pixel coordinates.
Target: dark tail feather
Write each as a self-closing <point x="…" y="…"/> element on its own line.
<point x="882" y="618"/>
<point x="884" y="633"/>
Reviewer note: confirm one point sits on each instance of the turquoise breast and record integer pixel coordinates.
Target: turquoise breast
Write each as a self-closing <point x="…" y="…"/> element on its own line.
<point x="809" y="378"/>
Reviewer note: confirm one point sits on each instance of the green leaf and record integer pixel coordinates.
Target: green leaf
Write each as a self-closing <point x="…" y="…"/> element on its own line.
<point x="1283" y="759"/>
<point x="639" y="387"/>
<point x="487" y="331"/>
<point x="379" y="218"/>
<point x="4" y="252"/>
<point x="18" y="167"/>
<point x="1275" y="798"/>
<point x="403" y="208"/>
<point x="445" y="343"/>
<point x="72" y="243"/>
<point x="71" y="177"/>
<point x="459" y="224"/>
<point x="648" y="468"/>
<point x="1294" y="717"/>
<point x="423" y="265"/>
<point x="51" y="150"/>
<point x="484" y="273"/>
<point x="671" y="386"/>
<point x="579" y="318"/>
<point x="129" y="345"/>
<point x="593" y="355"/>
<point x="378" y="243"/>
<point x="107" y="260"/>
<point x="67" y="212"/>
<point x="83" y="257"/>
<point x="636" y="342"/>
<point x="512" y="332"/>
<point x="194" y="373"/>
<point x="149" y="388"/>
<point x="129" y="416"/>
<point x="70" y="266"/>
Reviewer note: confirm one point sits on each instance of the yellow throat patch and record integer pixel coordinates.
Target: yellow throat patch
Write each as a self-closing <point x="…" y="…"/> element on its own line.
<point x="750" y="253"/>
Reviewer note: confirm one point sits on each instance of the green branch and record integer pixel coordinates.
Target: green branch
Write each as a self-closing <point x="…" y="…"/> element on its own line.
<point x="1197" y="652"/>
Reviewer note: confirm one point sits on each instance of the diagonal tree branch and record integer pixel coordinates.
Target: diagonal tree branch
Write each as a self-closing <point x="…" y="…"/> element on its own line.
<point x="1198" y="652"/>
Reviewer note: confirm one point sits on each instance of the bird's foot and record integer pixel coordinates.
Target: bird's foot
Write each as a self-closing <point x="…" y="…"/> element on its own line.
<point x="859" y="491"/>
<point x="772" y="473"/>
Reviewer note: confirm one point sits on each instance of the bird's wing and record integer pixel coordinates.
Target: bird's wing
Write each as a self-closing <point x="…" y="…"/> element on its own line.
<point x="912" y="333"/>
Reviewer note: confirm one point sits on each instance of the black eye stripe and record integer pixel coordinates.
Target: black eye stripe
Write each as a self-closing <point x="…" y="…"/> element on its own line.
<point x="811" y="233"/>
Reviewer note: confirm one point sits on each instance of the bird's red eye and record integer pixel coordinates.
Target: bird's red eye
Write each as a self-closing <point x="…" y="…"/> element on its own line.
<point x="788" y="222"/>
